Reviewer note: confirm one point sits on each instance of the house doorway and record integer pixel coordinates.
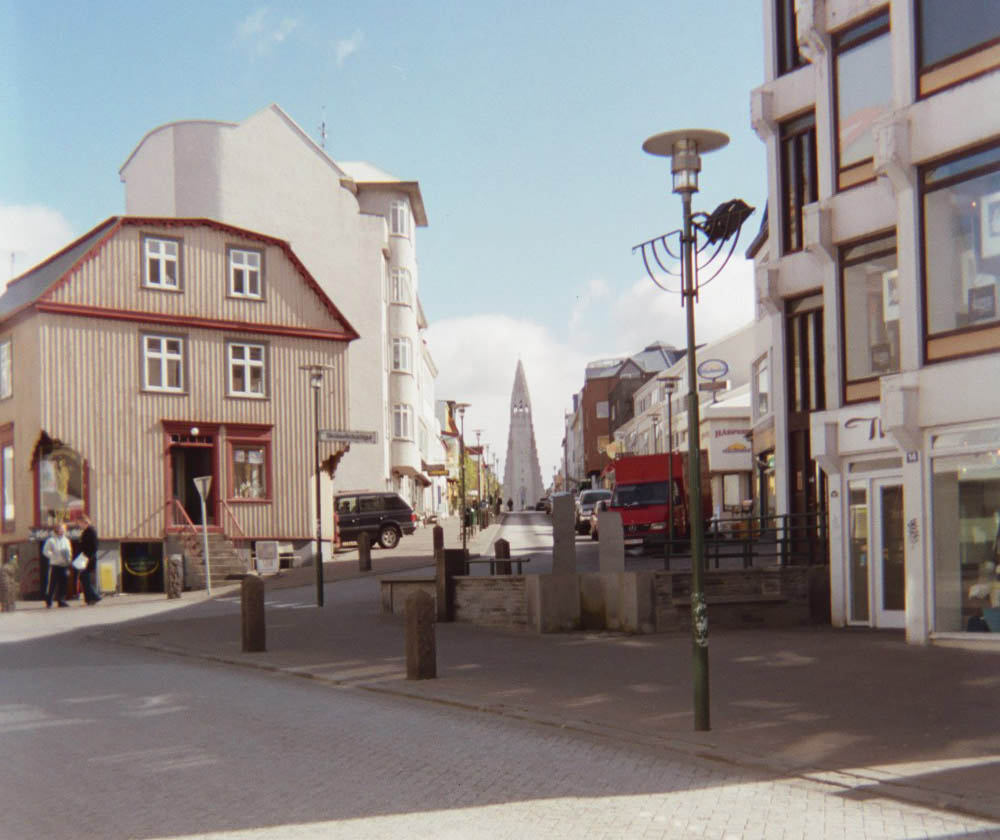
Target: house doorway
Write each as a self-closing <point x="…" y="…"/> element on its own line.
<point x="191" y="456"/>
<point x="876" y="567"/>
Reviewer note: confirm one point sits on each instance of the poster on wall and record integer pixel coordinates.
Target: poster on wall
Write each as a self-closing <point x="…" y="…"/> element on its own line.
<point x="989" y="225"/>
<point x="61" y="496"/>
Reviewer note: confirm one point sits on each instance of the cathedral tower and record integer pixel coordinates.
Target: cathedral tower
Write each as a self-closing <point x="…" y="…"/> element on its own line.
<point x="522" y="476"/>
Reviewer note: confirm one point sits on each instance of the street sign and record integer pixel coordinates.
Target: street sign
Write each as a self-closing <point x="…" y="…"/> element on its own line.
<point x="203" y="483"/>
<point x="713" y="369"/>
<point x="346" y="436"/>
<point x="712" y="386"/>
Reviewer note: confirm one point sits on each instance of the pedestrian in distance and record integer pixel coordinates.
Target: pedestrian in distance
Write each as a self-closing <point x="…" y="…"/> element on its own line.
<point x="88" y="548"/>
<point x="59" y="552"/>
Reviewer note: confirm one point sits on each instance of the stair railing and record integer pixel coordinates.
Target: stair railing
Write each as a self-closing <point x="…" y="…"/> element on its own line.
<point x="241" y="542"/>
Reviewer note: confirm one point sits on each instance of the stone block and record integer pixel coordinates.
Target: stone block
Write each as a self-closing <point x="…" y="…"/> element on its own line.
<point x="553" y="602"/>
<point x="611" y="541"/>
<point x="8" y="587"/>
<point x="421" y="650"/>
<point x="175" y="575"/>
<point x="563" y="535"/>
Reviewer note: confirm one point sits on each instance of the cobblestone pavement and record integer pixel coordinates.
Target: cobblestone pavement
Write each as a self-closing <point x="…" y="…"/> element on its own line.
<point x="111" y="742"/>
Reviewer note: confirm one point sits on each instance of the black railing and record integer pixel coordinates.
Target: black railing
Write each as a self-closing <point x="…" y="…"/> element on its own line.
<point x="791" y="539"/>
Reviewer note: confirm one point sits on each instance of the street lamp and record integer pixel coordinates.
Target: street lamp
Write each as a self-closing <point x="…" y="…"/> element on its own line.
<point x="316" y="383"/>
<point x="479" y="479"/>
<point x="669" y="386"/>
<point x="684" y="148"/>
<point x="460" y="408"/>
<point x="656" y="434"/>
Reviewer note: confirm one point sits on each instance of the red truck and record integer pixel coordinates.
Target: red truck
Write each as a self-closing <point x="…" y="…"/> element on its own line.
<point x="640" y="496"/>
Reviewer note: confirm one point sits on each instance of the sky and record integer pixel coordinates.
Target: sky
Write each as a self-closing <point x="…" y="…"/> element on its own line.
<point x="522" y="122"/>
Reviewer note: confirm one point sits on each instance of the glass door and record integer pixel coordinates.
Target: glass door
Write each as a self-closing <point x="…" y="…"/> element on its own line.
<point x="887" y="554"/>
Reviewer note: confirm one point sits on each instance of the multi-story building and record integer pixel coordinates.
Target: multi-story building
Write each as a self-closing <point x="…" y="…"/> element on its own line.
<point x="146" y="354"/>
<point x="353" y="226"/>
<point x="595" y="414"/>
<point x="877" y="286"/>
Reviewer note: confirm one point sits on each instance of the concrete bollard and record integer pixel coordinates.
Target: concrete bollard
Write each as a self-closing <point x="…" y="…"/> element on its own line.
<point x="438" y="533"/>
<point x="252" y="604"/>
<point x="364" y="552"/>
<point x="175" y="575"/>
<point x="421" y="650"/>
<point x="8" y="587"/>
<point x="501" y="550"/>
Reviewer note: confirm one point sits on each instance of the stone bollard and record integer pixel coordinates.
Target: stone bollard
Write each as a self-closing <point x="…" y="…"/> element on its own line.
<point x="175" y="575"/>
<point x="252" y="603"/>
<point x="8" y="587"/>
<point x="563" y="535"/>
<point x="438" y="533"/>
<point x="501" y="550"/>
<point x="421" y="650"/>
<point x="364" y="552"/>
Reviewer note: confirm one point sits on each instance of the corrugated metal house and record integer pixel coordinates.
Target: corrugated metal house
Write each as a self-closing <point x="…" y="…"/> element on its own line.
<point x="152" y="351"/>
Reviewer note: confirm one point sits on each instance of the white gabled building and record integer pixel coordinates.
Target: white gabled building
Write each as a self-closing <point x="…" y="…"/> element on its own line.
<point x="877" y="284"/>
<point x="354" y="227"/>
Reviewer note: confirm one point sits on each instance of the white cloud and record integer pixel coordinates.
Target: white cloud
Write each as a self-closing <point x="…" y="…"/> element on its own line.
<point x="257" y="31"/>
<point x="346" y="47"/>
<point x="477" y="355"/>
<point x="30" y="234"/>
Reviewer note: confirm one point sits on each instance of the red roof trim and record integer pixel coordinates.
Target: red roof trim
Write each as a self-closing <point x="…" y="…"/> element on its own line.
<point x="189" y="321"/>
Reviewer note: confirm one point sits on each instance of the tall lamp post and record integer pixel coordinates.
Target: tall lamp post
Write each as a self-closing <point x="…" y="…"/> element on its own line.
<point x="685" y="148"/>
<point x="316" y="383"/>
<point x="479" y="479"/>
<point x="460" y="408"/>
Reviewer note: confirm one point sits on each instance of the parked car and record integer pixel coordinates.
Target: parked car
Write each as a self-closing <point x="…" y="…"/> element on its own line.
<point x="542" y="504"/>
<point x="594" y="531"/>
<point x="385" y="517"/>
<point x="585" y="505"/>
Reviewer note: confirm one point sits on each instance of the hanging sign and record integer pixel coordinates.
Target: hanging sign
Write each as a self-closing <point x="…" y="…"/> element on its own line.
<point x="713" y="369"/>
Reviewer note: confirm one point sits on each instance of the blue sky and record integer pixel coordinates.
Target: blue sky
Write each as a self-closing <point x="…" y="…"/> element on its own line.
<point x="522" y="122"/>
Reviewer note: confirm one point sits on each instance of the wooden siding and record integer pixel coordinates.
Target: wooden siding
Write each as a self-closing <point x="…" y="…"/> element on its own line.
<point x="112" y="279"/>
<point x="78" y="379"/>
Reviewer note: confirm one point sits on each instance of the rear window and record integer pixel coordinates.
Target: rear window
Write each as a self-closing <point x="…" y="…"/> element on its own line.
<point x="396" y="503"/>
<point x="589" y="497"/>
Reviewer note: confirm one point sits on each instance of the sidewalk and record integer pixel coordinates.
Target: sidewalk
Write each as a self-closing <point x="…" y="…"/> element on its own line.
<point x="858" y="711"/>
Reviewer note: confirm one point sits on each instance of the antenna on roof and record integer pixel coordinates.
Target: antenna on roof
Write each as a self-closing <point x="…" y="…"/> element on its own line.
<point x="322" y="130"/>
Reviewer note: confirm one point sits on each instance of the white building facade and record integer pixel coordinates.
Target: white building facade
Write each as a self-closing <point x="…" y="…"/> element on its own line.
<point x="353" y="226"/>
<point x="877" y="287"/>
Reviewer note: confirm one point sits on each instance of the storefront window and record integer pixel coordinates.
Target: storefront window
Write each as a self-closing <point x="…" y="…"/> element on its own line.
<point x="961" y="207"/>
<point x="966" y="511"/>
<point x="871" y="314"/>
<point x="858" y="523"/>
<point x="61" y="496"/>
<point x="249" y="476"/>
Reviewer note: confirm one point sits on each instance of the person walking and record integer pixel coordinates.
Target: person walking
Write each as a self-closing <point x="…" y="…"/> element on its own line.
<point x="59" y="552"/>
<point x="88" y="548"/>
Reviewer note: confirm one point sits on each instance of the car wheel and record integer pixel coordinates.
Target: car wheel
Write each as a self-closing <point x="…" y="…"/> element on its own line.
<point x="388" y="537"/>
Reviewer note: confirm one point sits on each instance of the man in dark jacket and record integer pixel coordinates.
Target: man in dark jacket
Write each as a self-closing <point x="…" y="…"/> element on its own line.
<point x="88" y="548"/>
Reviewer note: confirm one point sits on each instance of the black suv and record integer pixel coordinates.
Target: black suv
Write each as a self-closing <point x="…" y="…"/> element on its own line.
<point x="385" y="516"/>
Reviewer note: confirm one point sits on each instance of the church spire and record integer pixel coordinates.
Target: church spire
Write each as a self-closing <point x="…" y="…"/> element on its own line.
<point x="522" y="481"/>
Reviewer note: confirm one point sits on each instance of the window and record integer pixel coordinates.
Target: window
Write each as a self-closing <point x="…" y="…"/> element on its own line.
<point x="249" y="463"/>
<point x="7" y="476"/>
<point x="246" y="370"/>
<point x="786" y="37"/>
<point x="6" y="370"/>
<point x="864" y="92"/>
<point x="956" y="40"/>
<point x="402" y="355"/>
<point x="245" y="273"/>
<point x="161" y="263"/>
<point x="163" y="363"/>
<point x="798" y="176"/>
<point x="399" y="218"/>
<point x="601" y="410"/>
<point x="761" y="384"/>
<point x="249" y="472"/>
<point x="870" y="291"/>
<point x="961" y="254"/>
<point x="400" y="286"/>
<point x="402" y="422"/>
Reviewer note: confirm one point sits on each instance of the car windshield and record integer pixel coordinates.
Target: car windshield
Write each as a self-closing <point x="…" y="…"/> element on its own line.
<point x="590" y="497"/>
<point x="636" y="495"/>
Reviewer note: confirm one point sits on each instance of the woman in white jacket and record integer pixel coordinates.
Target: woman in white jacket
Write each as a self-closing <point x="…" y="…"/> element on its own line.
<point x="59" y="552"/>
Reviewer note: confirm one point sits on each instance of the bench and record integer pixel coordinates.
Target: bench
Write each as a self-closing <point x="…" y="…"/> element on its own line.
<point x="495" y="563"/>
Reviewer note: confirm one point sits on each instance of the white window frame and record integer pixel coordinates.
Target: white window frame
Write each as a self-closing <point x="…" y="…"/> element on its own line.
<point x="760" y="362"/>
<point x="249" y="365"/>
<point x="165" y="357"/>
<point x="402" y="421"/>
<point x="400" y="287"/>
<point x="402" y="355"/>
<point x="6" y="369"/>
<point x="243" y="259"/>
<point x="157" y="249"/>
<point x="399" y="218"/>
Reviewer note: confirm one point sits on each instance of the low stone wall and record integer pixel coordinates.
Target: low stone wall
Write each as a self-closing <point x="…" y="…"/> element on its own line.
<point x="395" y="590"/>
<point x="771" y="597"/>
<point x="494" y="601"/>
